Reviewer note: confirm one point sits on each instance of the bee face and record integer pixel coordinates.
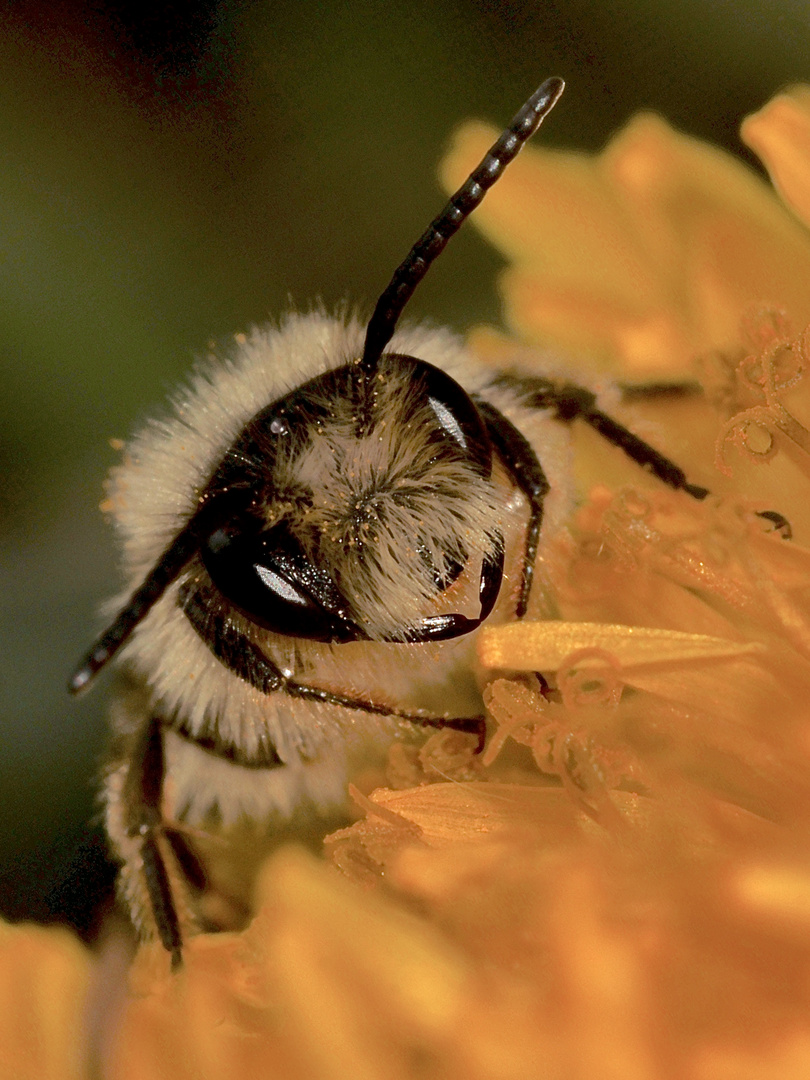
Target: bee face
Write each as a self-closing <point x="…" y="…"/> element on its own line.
<point x="329" y="533"/>
<point x="267" y="508"/>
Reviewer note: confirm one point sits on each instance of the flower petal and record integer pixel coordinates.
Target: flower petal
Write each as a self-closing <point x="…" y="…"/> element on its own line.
<point x="544" y="646"/>
<point x="45" y="975"/>
<point x="646" y="255"/>
<point x="780" y="134"/>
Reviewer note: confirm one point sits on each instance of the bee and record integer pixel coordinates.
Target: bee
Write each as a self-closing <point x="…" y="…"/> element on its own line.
<point x="311" y="541"/>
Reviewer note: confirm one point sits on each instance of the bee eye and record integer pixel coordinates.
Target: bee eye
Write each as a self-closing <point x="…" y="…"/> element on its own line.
<point x="267" y="576"/>
<point x="454" y="411"/>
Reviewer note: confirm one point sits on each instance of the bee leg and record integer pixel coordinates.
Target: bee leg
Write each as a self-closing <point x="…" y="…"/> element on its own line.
<point x="780" y="523"/>
<point x="247" y="661"/>
<point x="571" y="402"/>
<point x="143" y="796"/>
<point x="264" y="756"/>
<point x="659" y="391"/>
<point x="472" y="725"/>
<point x="190" y="866"/>
<point x="517" y="455"/>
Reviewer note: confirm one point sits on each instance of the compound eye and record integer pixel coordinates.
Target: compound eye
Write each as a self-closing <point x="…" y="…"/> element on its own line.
<point x="266" y="575"/>
<point x="455" y="412"/>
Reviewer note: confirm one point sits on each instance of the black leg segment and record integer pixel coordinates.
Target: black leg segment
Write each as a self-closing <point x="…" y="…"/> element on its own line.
<point x="571" y="402"/>
<point x="202" y="606"/>
<point x="143" y="796"/>
<point x="521" y="461"/>
<point x="265" y="756"/>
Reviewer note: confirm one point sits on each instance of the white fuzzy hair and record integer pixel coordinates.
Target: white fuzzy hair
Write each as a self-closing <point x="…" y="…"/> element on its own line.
<point x="169" y="461"/>
<point x="156" y="489"/>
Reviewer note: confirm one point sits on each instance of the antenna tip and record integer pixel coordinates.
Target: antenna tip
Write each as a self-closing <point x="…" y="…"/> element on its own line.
<point x="80" y="679"/>
<point x="90" y="666"/>
<point x="548" y="94"/>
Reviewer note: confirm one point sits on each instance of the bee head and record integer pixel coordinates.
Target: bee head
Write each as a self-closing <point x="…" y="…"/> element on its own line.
<point x="322" y="527"/>
<point x="344" y="509"/>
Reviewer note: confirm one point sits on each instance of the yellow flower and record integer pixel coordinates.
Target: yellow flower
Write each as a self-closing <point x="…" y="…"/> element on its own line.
<point x="650" y="253"/>
<point x="620" y="886"/>
<point x="780" y="134"/>
<point x="44" y="980"/>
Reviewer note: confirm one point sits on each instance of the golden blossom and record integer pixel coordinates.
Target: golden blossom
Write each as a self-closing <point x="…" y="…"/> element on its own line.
<point x="648" y="254"/>
<point x="620" y="886"/>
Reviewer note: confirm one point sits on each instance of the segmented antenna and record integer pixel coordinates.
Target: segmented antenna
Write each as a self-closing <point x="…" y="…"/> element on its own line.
<point x="433" y="241"/>
<point x="173" y="560"/>
<point x="379" y="333"/>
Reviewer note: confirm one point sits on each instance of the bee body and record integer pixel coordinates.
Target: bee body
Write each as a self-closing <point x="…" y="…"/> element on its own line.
<point x="311" y="541"/>
<point x="157" y="488"/>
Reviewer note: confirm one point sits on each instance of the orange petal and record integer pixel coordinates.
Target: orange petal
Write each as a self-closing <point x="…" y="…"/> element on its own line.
<point x="601" y="329"/>
<point x="533" y="646"/>
<point x="645" y="255"/>
<point x="361" y="984"/>
<point x="553" y="211"/>
<point x="780" y="134"/>
<point x="713" y="229"/>
<point x="44" y="976"/>
<point x="452" y="814"/>
<point x="779" y="891"/>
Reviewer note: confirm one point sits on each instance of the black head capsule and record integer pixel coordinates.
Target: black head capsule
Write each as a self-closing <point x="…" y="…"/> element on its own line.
<point x="327" y="535"/>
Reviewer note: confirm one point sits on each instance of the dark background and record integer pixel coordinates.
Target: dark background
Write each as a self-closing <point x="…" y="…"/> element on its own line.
<point x="172" y="175"/>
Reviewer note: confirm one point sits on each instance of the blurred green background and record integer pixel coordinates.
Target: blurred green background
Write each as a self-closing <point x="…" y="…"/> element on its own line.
<point x="171" y="175"/>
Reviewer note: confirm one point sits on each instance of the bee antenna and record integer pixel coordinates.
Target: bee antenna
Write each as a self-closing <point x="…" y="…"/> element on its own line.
<point x="176" y="556"/>
<point x="433" y="241"/>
